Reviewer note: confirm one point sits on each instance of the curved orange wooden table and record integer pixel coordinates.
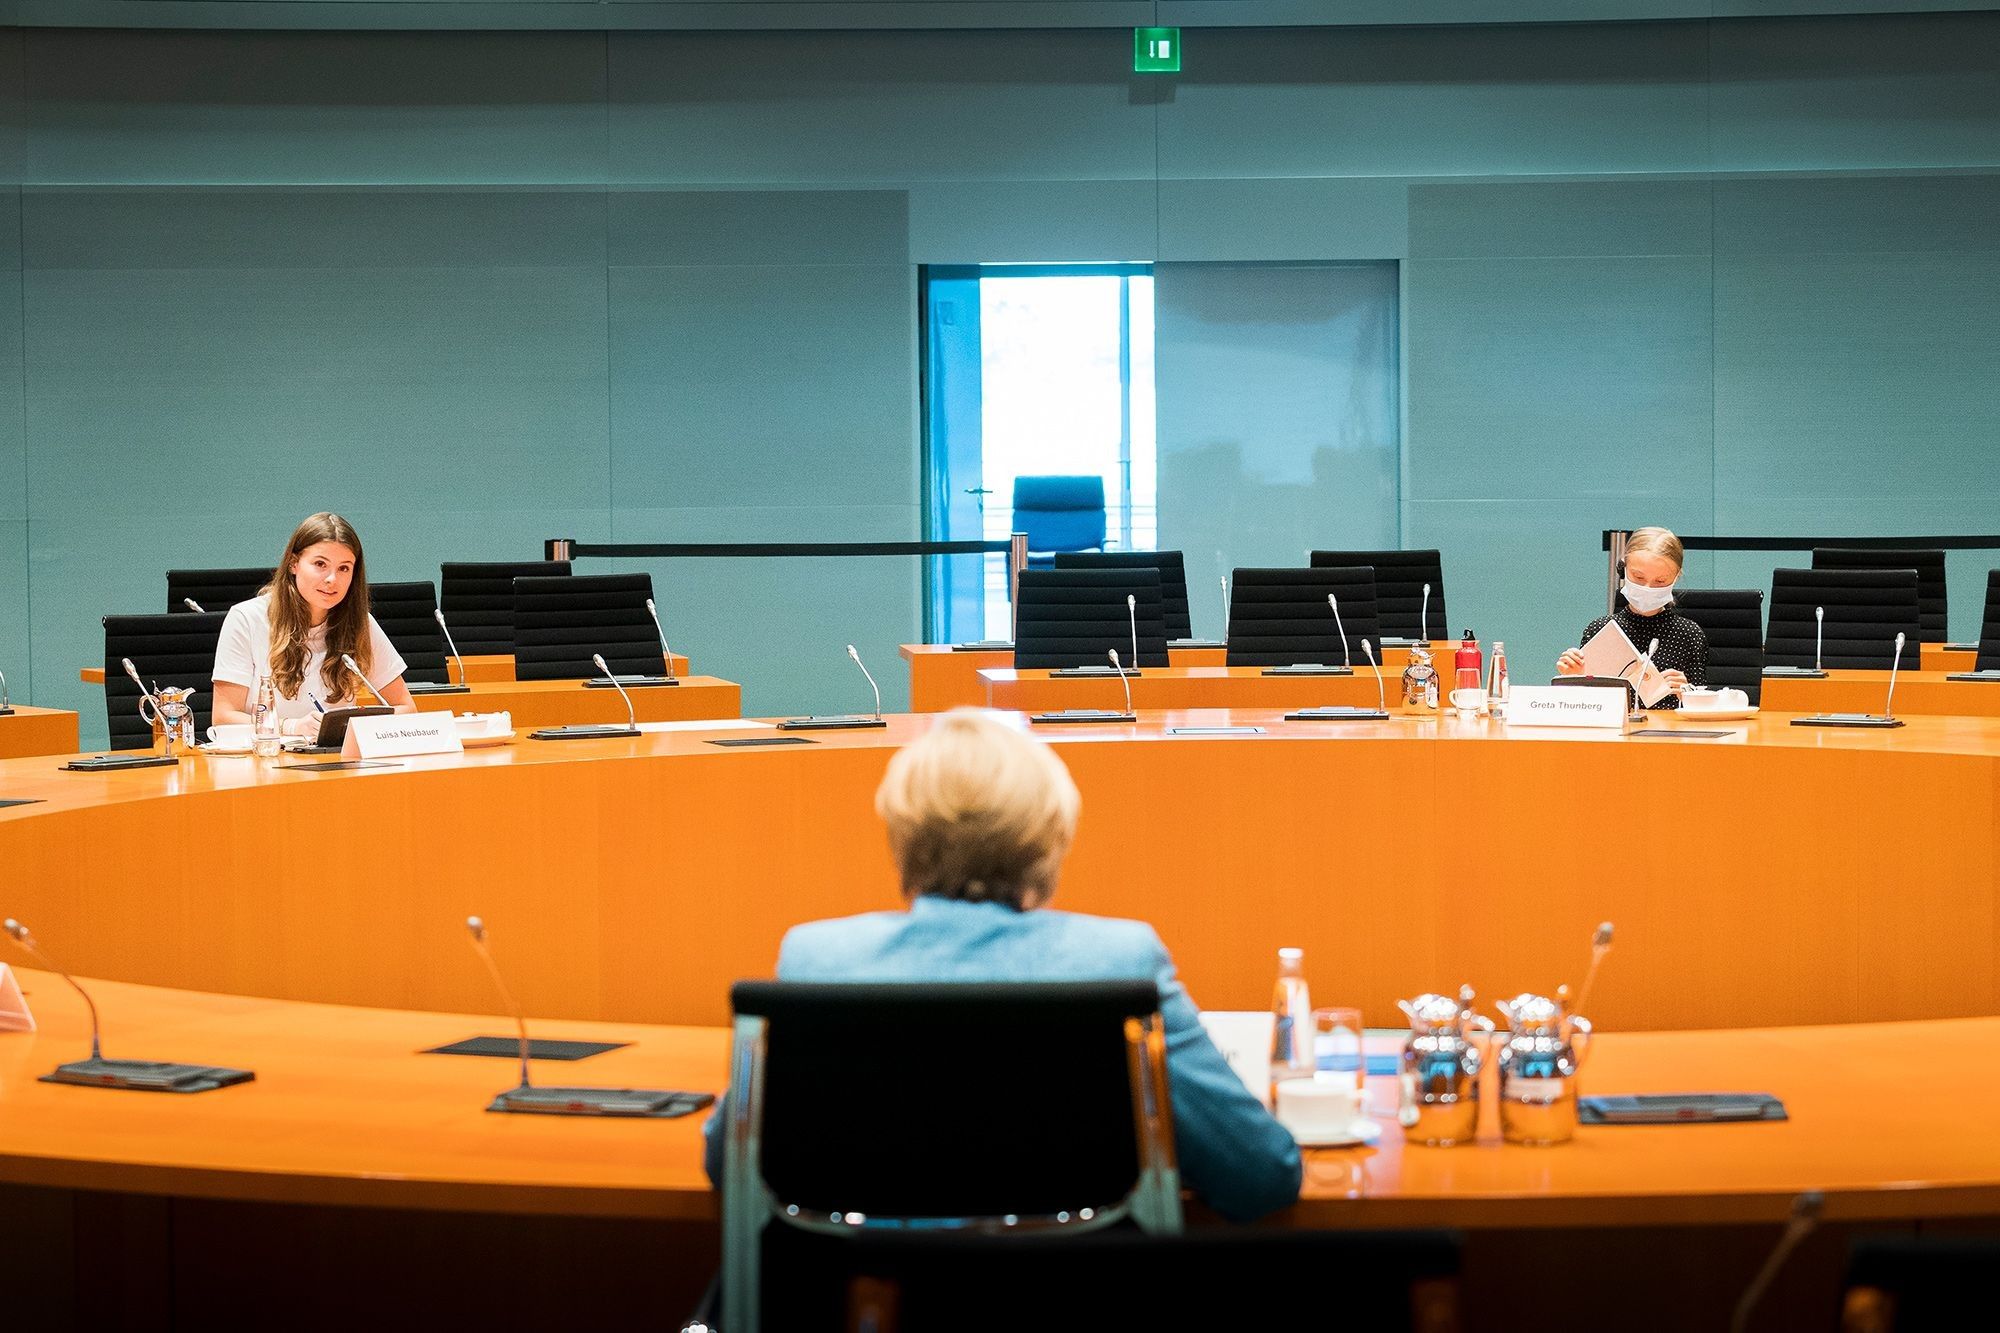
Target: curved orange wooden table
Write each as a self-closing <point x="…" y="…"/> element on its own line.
<point x="1183" y="687"/>
<point x="1793" y="875"/>
<point x="1917" y="692"/>
<point x="30" y="731"/>
<point x="344" y="1111"/>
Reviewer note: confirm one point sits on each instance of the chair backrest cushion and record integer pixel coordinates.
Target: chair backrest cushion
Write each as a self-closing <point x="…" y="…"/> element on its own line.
<point x="1280" y="617"/>
<point x="478" y="600"/>
<point x="405" y="611"/>
<point x="1060" y="513"/>
<point x="1173" y="579"/>
<point x="1933" y="602"/>
<point x="167" y="650"/>
<point x="1989" y="626"/>
<point x="1029" y="1111"/>
<point x="214" y="589"/>
<point x="1400" y="577"/>
<point x="559" y="622"/>
<point x="1073" y="617"/>
<point x="1865" y="610"/>
<point x="1733" y="620"/>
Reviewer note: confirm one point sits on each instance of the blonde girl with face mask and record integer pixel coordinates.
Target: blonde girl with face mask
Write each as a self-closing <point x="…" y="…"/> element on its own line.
<point x="1653" y="559"/>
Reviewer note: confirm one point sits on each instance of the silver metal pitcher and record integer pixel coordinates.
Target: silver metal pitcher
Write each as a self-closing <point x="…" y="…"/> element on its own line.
<point x="1440" y="1073"/>
<point x="1420" y="679"/>
<point x="1538" y="1061"/>
<point x="169" y="710"/>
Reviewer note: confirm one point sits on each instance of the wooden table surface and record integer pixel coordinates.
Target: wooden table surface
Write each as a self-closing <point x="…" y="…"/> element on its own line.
<point x="1789" y="875"/>
<point x="549" y="703"/>
<point x="1183" y="687"/>
<point x="1917" y="693"/>
<point x="942" y="678"/>
<point x="344" y="1111"/>
<point x="32" y="731"/>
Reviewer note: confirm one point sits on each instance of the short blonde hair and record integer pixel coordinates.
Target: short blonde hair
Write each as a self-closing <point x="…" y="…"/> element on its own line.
<point x="1660" y="542"/>
<point x="978" y="811"/>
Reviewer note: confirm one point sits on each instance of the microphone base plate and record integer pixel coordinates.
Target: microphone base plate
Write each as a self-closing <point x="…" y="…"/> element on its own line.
<point x="986" y="646"/>
<point x="432" y="687"/>
<point x="831" y="723"/>
<point x="1083" y="715"/>
<point x="1110" y="673"/>
<point x="630" y="682"/>
<point x="1794" y="673"/>
<point x="5" y="711"/>
<point x="1308" y="669"/>
<point x="147" y="1075"/>
<point x="1989" y="674"/>
<point x="582" y="733"/>
<point x="1338" y="715"/>
<point x="1871" y="720"/>
<point x="642" y="1103"/>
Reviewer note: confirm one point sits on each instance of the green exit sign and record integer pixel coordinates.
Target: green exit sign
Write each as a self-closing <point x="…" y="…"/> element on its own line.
<point x="1156" y="50"/>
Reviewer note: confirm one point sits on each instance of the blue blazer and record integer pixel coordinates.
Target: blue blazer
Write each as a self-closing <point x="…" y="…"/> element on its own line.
<point x="1233" y="1155"/>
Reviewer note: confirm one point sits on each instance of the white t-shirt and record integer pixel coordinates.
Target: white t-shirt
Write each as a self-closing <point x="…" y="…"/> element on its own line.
<point x="243" y="654"/>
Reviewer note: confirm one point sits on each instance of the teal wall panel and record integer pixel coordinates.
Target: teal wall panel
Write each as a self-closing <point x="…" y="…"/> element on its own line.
<point x="482" y="288"/>
<point x="374" y="108"/>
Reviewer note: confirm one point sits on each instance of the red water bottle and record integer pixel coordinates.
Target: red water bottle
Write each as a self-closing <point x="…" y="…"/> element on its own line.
<point x="1469" y="665"/>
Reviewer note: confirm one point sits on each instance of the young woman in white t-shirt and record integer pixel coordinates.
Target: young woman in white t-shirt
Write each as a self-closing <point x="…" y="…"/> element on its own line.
<point x="314" y="610"/>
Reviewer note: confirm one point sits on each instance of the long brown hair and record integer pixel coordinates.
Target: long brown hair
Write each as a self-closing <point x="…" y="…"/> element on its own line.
<point x="291" y="618"/>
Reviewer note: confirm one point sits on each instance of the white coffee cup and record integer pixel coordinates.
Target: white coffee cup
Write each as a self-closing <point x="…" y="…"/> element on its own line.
<point x="1317" y="1108"/>
<point x="232" y="735"/>
<point x="1468" y="700"/>
<point x="1696" y="700"/>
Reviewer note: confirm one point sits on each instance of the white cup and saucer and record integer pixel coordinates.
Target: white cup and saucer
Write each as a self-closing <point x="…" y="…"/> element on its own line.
<point x="1716" y="704"/>
<point x="1470" y="701"/>
<point x="230" y="738"/>
<point x="1324" y="1113"/>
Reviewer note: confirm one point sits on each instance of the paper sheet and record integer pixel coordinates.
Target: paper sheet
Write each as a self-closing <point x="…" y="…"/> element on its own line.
<point x="1611" y="654"/>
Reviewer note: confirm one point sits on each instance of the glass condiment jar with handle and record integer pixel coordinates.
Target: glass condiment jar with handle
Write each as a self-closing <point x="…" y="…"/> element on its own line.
<point x="1439" y="1106"/>
<point x="1538" y="1061"/>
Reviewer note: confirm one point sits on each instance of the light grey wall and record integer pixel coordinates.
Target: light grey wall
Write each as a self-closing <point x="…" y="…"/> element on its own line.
<point x="483" y="288"/>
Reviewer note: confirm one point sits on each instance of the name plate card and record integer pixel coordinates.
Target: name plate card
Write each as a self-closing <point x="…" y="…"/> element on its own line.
<point x="1565" y="706"/>
<point x="400" y="735"/>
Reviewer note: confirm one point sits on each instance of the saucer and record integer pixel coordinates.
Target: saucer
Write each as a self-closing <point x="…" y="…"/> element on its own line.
<point x="1719" y="714"/>
<point x="484" y="742"/>
<point x="1359" y="1130"/>
<point x="217" y="748"/>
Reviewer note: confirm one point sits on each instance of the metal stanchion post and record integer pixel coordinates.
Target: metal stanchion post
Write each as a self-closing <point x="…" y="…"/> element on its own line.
<point x="1615" y="558"/>
<point x="559" y="548"/>
<point x="1017" y="560"/>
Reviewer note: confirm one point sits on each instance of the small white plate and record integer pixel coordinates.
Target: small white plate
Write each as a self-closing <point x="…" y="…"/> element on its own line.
<point x="486" y="742"/>
<point x="216" y="748"/>
<point x="1719" y="714"/>
<point x="1362" y="1130"/>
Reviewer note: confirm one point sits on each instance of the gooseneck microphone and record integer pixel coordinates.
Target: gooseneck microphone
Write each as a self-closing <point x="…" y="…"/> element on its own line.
<point x="1350" y="712"/>
<point x="137" y="1075"/>
<point x="5" y="707"/>
<point x="1119" y="667"/>
<point x="452" y="644"/>
<point x="631" y="714"/>
<point x="347" y="660"/>
<point x="132" y="671"/>
<point x="1819" y="637"/>
<point x="1224" y="581"/>
<point x="1805" y="1216"/>
<point x="1346" y="653"/>
<point x="1381" y="690"/>
<point x="192" y="605"/>
<point x="1895" y="664"/>
<point x="1424" y="618"/>
<point x="1132" y="614"/>
<point x="660" y="630"/>
<point x="571" y="1101"/>
<point x="841" y="721"/>
<point x="871" y="680"/>
<point x="1886" y="718"/>
<point x="1600" y="945"/>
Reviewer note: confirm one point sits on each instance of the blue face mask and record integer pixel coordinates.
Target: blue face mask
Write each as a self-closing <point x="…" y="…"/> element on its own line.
<point x="1646" y="600"/>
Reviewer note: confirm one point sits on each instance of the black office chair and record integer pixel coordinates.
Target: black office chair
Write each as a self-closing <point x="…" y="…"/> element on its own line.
<point x="167" y="650"/>
<point x="1733" y="620"/>
<point x="1280" y="617"/>
<point x="1989" y="627"/>
<point x="1933" y="605"/>
<point x="407" y="614"/>
<point x="214" y="589"/>
<point x="559" y="622"/>
<point x="838" y="1122"/>
<point x="1912" y="1284"/>
<point x="1865" y="610"/>
<point x="1072" y="617"/>
<point x="1400" y="577"/>
<point x="1217" y="1279"/>
<point x="1173" y="579"/>
<point x="478" y="600"/>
